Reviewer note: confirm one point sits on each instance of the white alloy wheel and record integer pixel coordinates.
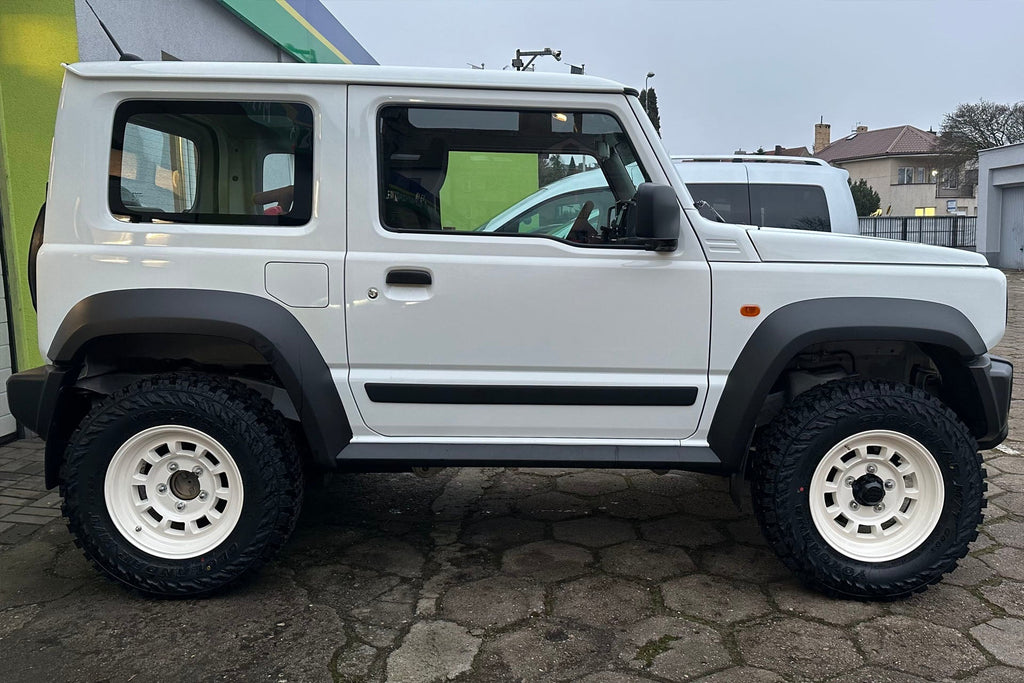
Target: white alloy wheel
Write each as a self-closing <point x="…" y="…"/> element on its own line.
<point x="173" y="492"/>
<point x="876" y="496"/>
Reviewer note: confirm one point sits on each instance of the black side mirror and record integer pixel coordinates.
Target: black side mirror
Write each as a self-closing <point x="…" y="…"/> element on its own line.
<point x="657" y="217"/>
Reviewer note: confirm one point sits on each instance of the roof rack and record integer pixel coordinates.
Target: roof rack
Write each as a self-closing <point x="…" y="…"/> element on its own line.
<point x="751" y="158"/>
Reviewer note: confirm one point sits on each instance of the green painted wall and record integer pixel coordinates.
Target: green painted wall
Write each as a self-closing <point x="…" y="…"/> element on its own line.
<point x="35" y="37"/>
<point x="479" y="186"/>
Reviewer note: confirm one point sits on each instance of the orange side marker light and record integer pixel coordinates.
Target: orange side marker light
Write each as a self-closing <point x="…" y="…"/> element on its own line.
<point x="750" y="311"/>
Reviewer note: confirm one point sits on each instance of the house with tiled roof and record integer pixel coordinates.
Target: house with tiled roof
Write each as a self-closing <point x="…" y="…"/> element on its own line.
<point x="902" y="165"/>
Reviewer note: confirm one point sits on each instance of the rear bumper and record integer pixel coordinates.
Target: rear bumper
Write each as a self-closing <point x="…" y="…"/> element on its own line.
<point x="33" y="396"/>
<point x="994" y="378"/>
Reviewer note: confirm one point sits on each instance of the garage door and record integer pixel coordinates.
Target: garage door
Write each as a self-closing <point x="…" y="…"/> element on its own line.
<point x="1013" y="226"/>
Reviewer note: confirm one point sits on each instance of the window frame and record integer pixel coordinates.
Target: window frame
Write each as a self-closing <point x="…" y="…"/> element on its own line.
<point x="206" y="149"/>
<point x="382" y="183"/>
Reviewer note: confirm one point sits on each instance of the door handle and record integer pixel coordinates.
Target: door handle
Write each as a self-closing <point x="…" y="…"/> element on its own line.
<point x="408" y="276"/>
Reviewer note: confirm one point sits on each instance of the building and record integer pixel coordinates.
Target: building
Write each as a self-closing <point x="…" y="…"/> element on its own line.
<point x="1001" y="205"/>
<point x="902" y="165"/>
<point x="35" y="37"/>
<point x="781" y="151"/>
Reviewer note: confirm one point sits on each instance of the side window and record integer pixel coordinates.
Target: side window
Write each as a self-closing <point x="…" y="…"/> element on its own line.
<point x="801" y="207"/>
<point x="730" y="200"/>
<point x="567" y="175"/>
<point x="233" y="163"/>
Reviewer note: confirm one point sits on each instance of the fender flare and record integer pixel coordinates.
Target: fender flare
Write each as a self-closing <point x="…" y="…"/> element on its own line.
<point x="795" y="326"/>
<point x="266" y="326"/>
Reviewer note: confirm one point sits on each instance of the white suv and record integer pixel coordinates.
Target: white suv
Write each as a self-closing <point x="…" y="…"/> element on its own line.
<point x="245" y="270"/>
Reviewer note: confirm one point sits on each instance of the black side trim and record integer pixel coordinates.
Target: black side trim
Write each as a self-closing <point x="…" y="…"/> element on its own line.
<point x="408" y="276"/>
<point x="531" y="395"/>
<point x="993" y="377"/>
<point x="266" y="326"/>
<point x="389" y="456"/>
<point x="792" y="328"/>
<point x="32" y="395"/>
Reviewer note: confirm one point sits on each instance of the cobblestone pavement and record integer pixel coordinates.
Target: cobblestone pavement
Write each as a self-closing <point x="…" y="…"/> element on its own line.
<point x="515" y="575"/>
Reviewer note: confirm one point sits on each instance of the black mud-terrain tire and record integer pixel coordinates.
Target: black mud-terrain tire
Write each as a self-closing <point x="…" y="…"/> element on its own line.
<point x="259" y="445"/>
<point x="791" y="448"/>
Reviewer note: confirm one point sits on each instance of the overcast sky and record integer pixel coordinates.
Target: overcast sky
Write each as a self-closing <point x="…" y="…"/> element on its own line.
<point x="731" y="74"/>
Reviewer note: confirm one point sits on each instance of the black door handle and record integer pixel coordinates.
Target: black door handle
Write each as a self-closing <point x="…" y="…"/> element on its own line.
<point x="408" y="276"/>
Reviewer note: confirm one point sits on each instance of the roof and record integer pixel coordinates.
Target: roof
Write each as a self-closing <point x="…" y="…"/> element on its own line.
<point x="895" y="141"/>
<point x="789" y="151"/>
<point x="346" y="73"/>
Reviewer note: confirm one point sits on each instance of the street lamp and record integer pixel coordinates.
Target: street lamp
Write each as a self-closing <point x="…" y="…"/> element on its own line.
<point x="647" y="98"/>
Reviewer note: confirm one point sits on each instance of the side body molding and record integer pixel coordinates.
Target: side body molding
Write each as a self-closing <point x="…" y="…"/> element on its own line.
<point x="260" y="323"/>
<point x="791" y="328"/>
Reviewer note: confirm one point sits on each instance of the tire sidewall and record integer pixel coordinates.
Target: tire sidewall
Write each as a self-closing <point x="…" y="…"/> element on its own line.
<point x="954" y="457"/>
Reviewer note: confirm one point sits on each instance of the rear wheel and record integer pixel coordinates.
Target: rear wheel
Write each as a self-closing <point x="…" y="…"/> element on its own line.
<point x="868" y="489"/>
<point x="181" y="484"/>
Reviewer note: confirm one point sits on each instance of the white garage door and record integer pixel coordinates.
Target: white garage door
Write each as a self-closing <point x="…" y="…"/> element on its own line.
<point x="1013" y="227"/>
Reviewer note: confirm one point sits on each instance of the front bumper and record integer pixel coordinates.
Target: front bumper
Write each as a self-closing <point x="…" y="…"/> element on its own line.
<point x="993" y="377"/>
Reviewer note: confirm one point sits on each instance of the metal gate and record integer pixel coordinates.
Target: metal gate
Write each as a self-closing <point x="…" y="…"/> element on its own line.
<point x="1012" y="230"/>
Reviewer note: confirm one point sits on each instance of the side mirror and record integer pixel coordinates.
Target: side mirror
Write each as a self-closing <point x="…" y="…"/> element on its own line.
<point x="657" y="217"/>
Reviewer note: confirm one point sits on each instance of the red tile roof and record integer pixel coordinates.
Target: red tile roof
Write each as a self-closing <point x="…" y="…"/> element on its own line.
<point x="896" y="141"/>
<point x="789" y="151"/>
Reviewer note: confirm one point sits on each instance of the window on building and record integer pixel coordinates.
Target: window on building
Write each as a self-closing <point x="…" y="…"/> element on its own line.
<point x="566" y="175"/>
<point x="234" y="163"/>
<point x="950" y="178"/>
<point x="905" y="175"/>
<point x="924" y="211"/>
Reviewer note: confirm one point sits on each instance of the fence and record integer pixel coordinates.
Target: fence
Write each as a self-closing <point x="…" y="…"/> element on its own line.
<point x="944" y="231"/>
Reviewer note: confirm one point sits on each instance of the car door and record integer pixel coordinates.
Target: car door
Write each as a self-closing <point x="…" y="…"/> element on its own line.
<point x="454" y="331"/>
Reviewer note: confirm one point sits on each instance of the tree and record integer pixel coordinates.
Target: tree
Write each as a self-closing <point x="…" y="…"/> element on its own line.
<point x="972" y="127"/>
<point x="865" y="198"/>
<point x="649" y="101"/>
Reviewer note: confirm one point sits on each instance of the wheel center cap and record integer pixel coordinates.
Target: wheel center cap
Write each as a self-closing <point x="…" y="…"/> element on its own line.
<point x="869" y="489"/>
<point x="184" y="485"/>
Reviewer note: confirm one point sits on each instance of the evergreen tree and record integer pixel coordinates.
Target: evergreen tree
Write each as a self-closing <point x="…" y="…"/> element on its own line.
<point x="865" y="198"/>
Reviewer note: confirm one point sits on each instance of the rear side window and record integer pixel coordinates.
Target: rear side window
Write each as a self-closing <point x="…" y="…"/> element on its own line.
<point x="235" y="163"/>
<point x="730" y="200"/>
<point x="801" y="207"/>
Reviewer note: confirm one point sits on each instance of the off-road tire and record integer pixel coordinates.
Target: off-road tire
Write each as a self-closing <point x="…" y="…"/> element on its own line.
<point x="792" y="446"/>
<point x="237" y="417"/>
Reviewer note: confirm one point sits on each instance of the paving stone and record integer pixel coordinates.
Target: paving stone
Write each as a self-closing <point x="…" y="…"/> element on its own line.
<point x="672" y="485"/>
<point x="1011" y="464"/>
<point x="613" y="677"/>
<point x="1007" y="562"/>
<point x="746" y="531"/>
<point x="681" y="530"/>
<point x="792" y="597"/>
<point x="1007" y="532"/>
<point x="996" y="674"/>
<point x="794" y="646"/>
<point x="591" y="483"/>
<point x="917" y="647"/>
<point x="602" y="600"/>
<point x="631" y="504"/>
<point x="746" y="674"/>
<point x="711" y="505"/>
<point x="1008" y="482"/>
<point x="548" y="471"/>
<point x="554" y="505"/>
<point x="494" y="602"/>
<point x="870" y="674"/>
<point x="14" y="618"/>
<point x="745" y="563"/>
<point x="516" y="485"/>
<point x="594" y="532"/>
<point x="547" y="561"/>
<point x="712" y="598"/>
<point x="1011" y="502"/>
<point x="673" y="648"/>
<point x="944" y="604"/>
<point x="386" y="555"/>
<point x="1008" y="595"/>
<point x="1003" y="638"/>
<point x="547" y="650"/>
<point x="432" y="651"/>
<point x="970" y="571"/>
<point x="503" y="532"/>
<point x="646" y="560"/>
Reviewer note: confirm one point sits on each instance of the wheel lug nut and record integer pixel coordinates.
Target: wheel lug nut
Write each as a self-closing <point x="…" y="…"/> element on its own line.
<point x="872" y="469"/>
<point x="197" y="470"/>
<point x="854" y="505"/>
<point x="138" y="528"/>
<point x="890" y="484"/>
<point x="161" y="488"/>
<point x="179" y="506"/>
<point x="173" y="467"/>
<point x="203" y="495"/>
<point x="849" y="481"/>
<point x="880" y="507"/>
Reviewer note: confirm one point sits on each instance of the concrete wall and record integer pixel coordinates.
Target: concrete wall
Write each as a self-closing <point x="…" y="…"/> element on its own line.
<point x="35" y="37"/>
<point x="196" y="30"/>
<point x="1000" y="170"/>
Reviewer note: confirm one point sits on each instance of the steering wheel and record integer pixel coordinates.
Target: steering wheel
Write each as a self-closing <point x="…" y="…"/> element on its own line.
<point x="582" y="230"/>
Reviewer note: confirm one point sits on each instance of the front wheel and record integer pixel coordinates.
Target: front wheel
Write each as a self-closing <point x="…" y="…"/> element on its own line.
<point x="868" y="489"/>
<point x="179" y="485"/>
